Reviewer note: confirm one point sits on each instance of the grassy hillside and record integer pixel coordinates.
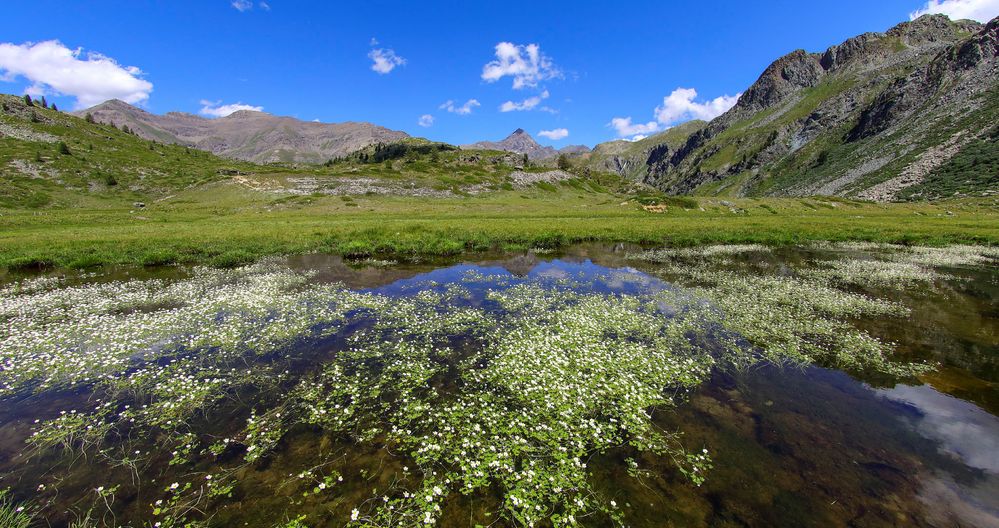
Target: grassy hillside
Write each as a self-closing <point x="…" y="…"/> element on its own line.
<point x="877" y="117"/>
<point x="48" y="158"/>
<point x="102" y="166"/>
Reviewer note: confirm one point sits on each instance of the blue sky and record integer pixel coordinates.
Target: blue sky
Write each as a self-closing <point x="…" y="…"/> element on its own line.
<point x="595" y="61"/>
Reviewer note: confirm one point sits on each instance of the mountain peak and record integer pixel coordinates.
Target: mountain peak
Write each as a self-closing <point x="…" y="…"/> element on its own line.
<point x="519" y="142"/>
<point x="115" y="104"/>
<point x="243" y="114"/>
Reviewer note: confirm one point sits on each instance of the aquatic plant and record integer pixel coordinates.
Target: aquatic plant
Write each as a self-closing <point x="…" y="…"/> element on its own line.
<point x="697" y="252"/>
<point x="797" y="319"/>
<point x="489" y="382"/>
<point x="14" y="515"/>
<point x="896" y="274"/>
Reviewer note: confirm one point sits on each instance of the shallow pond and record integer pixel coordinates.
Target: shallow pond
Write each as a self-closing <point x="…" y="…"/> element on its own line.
<point x="829" y="385"/>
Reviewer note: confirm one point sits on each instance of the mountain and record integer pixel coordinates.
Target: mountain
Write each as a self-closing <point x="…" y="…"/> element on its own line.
<point x="630" y="158"/>
<point x="247" y="135"/>
<point x="520" y="142"/>
<point x="574" y="150"/>
<point x="908" y="113"/>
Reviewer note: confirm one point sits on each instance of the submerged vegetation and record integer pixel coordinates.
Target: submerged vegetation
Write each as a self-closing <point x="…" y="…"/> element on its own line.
<point x="488" y="386"/>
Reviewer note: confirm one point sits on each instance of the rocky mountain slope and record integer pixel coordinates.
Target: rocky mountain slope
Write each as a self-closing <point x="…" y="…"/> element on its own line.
<point x="520" y="142"/>
<point x="881" y="116"/>
<point x="630" y="158"/>
<point x="247" y="135"/>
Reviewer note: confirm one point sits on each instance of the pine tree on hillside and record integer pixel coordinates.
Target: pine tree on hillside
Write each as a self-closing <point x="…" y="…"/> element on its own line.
<point x="28" y="101"/>
<point x="89" y="117"/>
<point x="45" y="104"/>
<point x="54" y="107"/>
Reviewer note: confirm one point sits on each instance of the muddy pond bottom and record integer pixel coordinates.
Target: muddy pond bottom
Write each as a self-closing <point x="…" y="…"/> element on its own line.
<point x="830" y="385"/>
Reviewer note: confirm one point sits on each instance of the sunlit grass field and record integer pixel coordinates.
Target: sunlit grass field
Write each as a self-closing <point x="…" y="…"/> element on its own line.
<point x="224" y="224"/>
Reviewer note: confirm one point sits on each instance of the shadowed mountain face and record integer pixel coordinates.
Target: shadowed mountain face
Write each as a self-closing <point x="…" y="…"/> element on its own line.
<point x="247" y="135"/>
<point x="909" y="113"/>
<point x="520" y="142"/>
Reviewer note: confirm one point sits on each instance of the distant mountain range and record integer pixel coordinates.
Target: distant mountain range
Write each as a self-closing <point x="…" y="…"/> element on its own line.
<point x="247" y="135"/>
<point x="522" y="143"/>
<point x="909" y="113"/>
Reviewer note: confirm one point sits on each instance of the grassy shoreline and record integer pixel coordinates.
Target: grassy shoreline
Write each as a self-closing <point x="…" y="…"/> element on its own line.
<point x="233" y="233"/>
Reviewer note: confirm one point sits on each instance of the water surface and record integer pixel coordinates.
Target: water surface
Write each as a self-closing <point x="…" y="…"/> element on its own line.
<point x="790" y="445"/>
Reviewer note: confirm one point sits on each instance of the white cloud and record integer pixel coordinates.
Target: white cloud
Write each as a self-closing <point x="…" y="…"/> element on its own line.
<point x="91" y="78"/>
<point x="980" y="10"/>
<point x="265" y="6"/>
<point x="426" y="120"/>
<point x="625" y="127"/>
<point x="554" y="135"/>
<point x="637" y="137"/>
<point x="217" y="109"/>
<point x="464" y="109"/>
<point x="242" y="5"/>
<point x="526" y="64"/>
<point x="680" y="106"/>
<point x="385" y="60"/>
<point x="526" y="104"/>
<point x="677" y="106"/>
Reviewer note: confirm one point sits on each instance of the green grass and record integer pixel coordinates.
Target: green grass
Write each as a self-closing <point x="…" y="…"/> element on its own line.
<point x="12" y="515"/>
<point x="975" y="167"/>
<point x="238" y="227"/>
<point x="199" y="208"/>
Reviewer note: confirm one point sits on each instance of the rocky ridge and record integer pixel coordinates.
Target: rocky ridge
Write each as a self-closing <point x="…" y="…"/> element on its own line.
<point x="247" y="135"/>
<point x="520" y="142"/>
<point x="876" y="108"/>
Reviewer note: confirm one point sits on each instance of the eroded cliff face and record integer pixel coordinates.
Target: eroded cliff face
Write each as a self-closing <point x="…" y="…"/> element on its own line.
<point x="862" y="113"/>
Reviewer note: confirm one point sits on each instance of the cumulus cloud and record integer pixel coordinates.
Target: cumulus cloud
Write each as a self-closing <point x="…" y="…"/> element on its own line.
<point x="217" y="109"/>
<point x="625" y="127"/>
<point x="53" y="68"/>
<point x="526" y="64"/>
<point x="426" y="120"/>
<point x="980" y="10"/>
<point x="676" y="107"/>
<point x="680" y="106"/>
<point x="554" y="135"/>
<point x="527" y="104"/>
<point x="464" y="109"/>
<point x="242" y="5"/>
<point x="385" y="60"/>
